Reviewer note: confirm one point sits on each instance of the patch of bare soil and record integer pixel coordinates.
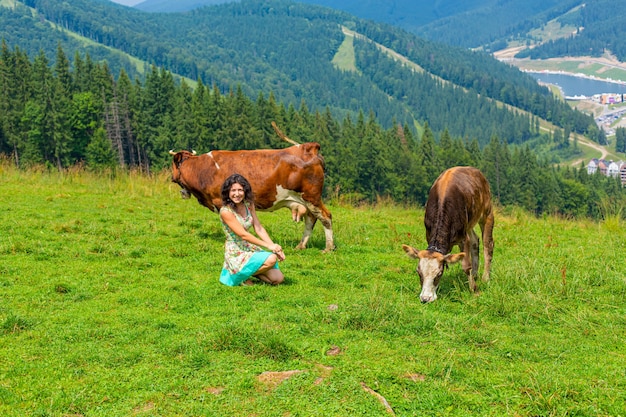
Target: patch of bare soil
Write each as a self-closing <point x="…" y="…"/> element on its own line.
<point x="273" y="379"/>
<point x="214" y="390"/>
<point x="508" y="53"/>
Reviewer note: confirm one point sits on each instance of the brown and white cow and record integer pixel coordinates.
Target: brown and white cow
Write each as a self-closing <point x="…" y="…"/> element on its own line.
<point x="292" y="177"/>
<point x="458" y="200"/>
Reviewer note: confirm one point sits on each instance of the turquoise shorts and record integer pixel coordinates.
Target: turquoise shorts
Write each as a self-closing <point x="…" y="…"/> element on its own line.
<point x="253" y="265"/>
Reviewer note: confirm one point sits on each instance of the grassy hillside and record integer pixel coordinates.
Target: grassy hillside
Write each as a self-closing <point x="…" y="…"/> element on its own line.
<point x="111" y="306"/>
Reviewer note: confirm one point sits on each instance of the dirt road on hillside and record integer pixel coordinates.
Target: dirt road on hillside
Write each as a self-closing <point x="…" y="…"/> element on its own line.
<point x="582" y="141"/>
<point x="592" y="145"/>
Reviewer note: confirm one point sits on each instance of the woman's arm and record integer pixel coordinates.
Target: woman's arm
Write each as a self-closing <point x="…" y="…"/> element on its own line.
<point x="262" y="233"/>
<point x="263" y="240"/>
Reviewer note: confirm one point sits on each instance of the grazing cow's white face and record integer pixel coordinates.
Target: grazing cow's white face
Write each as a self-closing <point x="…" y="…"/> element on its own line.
<point x="430" y="269"/>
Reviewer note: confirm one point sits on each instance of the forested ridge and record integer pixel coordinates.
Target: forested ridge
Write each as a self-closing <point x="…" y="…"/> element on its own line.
<point x="77" y="112"/>
<point x="600" y="26"/>
<point x="468" y="24"/>
<point x="286" y="48"/>
<point x="489" y="24"/>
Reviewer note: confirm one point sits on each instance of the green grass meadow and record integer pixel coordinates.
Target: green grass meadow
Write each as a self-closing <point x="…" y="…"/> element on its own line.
<point x="110" y="305"/>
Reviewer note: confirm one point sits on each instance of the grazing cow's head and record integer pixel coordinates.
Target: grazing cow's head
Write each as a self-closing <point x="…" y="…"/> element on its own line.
<point x="430" y="269"/>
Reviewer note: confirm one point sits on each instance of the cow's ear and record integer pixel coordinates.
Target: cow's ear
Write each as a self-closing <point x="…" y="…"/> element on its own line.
<point x="453" y="258"/>
<point x="411" y="251"/>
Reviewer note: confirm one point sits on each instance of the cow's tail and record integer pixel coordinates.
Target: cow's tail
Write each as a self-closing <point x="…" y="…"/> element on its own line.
<point x="283" y="136"/>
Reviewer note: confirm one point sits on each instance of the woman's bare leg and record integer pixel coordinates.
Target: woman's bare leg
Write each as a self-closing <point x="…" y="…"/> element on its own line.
<point x="273" y="277"/>
<point x="267" y="272"/>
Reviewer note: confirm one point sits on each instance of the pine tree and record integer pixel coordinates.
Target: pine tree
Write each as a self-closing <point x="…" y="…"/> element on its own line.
<point x="157" y="115"/>
<point x="44" y="137"/>
<point x="83" y="119"/>
<point x="495" y="165"/>
<point x="15" y="92"/>
<point x="6" y="96"/>
<point x="427" y="156"/>
<point x="266" y="112"/>
<point x="100" y="153"/>
<point x="183" y="118"/>
<point x="620" y="139"/>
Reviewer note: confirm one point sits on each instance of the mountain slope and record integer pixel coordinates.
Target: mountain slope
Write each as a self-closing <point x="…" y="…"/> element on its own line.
<point x="600" y="28"/>
<point x="175" y="6"/>
<point x="24" y="27"/>
<point x="470" y="23"/>
<point x="288" y="48"/>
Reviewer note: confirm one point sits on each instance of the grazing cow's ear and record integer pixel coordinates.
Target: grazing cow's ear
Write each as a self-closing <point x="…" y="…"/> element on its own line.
<point x="411" y="251"/>
<point x="454" y="258"/>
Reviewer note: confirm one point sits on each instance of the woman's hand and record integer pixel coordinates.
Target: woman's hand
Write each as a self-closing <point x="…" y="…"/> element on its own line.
<point x="278" y="250"/>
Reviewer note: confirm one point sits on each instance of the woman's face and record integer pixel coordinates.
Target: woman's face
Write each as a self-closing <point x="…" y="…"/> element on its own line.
<point x="236" y="193"/>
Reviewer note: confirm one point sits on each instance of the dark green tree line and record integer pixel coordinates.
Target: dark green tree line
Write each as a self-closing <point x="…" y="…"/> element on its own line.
<point x="78" y="113"/>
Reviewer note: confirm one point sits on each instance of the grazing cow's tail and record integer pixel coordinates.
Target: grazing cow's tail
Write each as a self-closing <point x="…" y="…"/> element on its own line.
<point x="283" y="136"/>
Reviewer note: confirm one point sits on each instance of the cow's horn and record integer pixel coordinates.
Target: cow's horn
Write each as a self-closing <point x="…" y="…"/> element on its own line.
<point x="172" y="152"/>
<point x="282" y="135"/>
<point x="193" y="152"/>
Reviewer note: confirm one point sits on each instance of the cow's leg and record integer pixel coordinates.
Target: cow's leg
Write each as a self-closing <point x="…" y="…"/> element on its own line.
<point x="467" y="260"/>
<point x="323" y="215"/>
<point x="475" y="252"/>
<point x="488" y="244"/>
<point x="309" y="222"/>
<point x="328" y="233"/>
<point x="470" y="261"/>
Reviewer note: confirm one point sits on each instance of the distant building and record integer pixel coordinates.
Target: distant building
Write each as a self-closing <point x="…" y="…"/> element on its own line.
<point x="608" y="98"/>
<point x="608" y="168"/>
<point x="613" y="169"/>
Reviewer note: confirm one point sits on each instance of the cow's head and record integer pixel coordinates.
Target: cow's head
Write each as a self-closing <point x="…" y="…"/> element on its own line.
<point x="177" y="160"/>
<point x="430" y="269"/>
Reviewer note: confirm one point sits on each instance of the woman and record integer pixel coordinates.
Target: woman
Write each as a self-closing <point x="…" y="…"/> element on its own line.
<point x="244" y="256"/>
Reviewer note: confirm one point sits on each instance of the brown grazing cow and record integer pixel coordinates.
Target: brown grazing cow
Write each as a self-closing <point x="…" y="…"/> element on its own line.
<point x="292" y="177"/>
<point x="458" y="200"/>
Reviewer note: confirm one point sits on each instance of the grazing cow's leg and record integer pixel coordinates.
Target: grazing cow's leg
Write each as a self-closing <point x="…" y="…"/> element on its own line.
<point x="488" y="245"/>
<point x="475" y="253"/>
<point x="467" y="260"/>
<point x="470" y="262"/>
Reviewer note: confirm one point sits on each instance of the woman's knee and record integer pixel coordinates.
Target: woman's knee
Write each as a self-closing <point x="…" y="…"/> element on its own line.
<point x="275" y="276"/>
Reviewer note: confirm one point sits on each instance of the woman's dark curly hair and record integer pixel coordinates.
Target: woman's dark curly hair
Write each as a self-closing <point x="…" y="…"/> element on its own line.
<point x="236" y="179"/>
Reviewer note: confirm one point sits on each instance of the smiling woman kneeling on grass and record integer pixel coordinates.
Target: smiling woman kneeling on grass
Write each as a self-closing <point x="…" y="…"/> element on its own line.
<point x="244" y="256"/>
